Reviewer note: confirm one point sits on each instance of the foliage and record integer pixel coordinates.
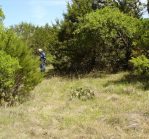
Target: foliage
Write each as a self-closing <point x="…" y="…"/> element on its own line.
<point x="77" y="9"/>
<point x="36" y="37"/>
<point x="66" y="39"/>
<point x="141" y="65"/>
<point x="102" y="40"/>
<point x="99" y="34"/>
<point x="8" y="69"/>
<point x="142" y="46"/>
<point x="24" y="31"/>
<point x="109" y="35"/>
<point x="18" y="66"/>
<point x="131" y="7"/>
<point x="41" y="37"/>
<point x="140" y="60"/>
<point x="26" y="77"/>
<point x="82" y="93"/>
<point x="1" y="15"/>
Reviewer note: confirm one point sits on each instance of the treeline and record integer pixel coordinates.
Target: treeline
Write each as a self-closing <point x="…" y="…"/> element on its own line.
<point x="105" y="35"/>
<point x="102" y="35"/>
<point x="99" y="35"/>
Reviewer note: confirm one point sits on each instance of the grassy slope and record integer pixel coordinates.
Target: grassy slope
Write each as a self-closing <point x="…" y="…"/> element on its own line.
<point x="120" y="110"/>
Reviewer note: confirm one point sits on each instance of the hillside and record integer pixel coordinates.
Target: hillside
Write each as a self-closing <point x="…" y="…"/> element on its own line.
<point x="120" y="109"/>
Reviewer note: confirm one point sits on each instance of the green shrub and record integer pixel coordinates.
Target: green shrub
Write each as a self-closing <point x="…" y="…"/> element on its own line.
<point x="82" y="93"/>
<point x="23" y="79"/>
<point x="141" y="65"/>
<point x="102" y="40"/>
<point x="8" y="68"/>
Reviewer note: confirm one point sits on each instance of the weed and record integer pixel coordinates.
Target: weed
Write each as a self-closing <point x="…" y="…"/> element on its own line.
<point x="82" y="93"/>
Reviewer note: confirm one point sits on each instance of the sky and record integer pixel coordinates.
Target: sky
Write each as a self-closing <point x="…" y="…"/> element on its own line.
<point x="37" y="12"/>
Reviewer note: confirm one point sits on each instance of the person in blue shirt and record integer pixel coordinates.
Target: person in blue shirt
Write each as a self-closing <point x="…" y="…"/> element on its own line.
<point x="42" y="60"/>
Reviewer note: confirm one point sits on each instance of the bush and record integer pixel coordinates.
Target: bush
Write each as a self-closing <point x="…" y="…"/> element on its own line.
<point x="82" y="93"/>
<point x="140" y="65"/>
<point x="8" y="69"/>
<point x="102" y="40"/>
<point x="17" y="54"/>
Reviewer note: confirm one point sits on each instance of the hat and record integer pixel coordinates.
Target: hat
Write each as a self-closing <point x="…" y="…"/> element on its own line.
<point x="40" y="50"/>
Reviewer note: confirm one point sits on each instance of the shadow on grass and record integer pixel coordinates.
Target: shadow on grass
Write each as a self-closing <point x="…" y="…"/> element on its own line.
<point x="141" y="81"/>
<point x="50" y="73"/>
<point x="97" y="74"/>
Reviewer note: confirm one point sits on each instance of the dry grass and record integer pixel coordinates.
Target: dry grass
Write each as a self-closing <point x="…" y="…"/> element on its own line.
<point x="119" y="111"/>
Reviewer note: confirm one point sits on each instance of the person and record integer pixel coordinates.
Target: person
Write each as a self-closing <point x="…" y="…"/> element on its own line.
<point x="43" y="60"/>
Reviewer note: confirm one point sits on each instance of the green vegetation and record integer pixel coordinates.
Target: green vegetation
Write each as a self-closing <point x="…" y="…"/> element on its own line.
<point x="97" y="79"/>
<point x="105" y="38"/>
<point x="18" y="68"/>
<point x="7" y="73"/>
<point x="94" y="35"/>
<point x="82" y="93"/>
<point x="141" y="65"/>
<point x="131" y="7"/>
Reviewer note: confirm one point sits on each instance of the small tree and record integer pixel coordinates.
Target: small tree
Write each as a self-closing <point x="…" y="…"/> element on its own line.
<point x="8" y="69"/>
<point x="26" y="77"/>
<point x="105" y="40"/>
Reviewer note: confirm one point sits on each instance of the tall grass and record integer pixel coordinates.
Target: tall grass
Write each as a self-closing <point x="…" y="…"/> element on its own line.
<point x="120" y="109"/>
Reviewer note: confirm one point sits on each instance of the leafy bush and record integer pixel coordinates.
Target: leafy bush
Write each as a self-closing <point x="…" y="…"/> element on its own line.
<point x="82" y="93"/>
<point x="19" y="65"/>
<point x="141" y="65"/>
<point x="102" y="40"/>
<point x="107" y="38"/>
<point x="8" y="69"/>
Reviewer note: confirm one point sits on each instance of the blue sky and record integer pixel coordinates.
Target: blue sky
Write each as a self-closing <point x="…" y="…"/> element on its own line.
<point x="38" y="12"/>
